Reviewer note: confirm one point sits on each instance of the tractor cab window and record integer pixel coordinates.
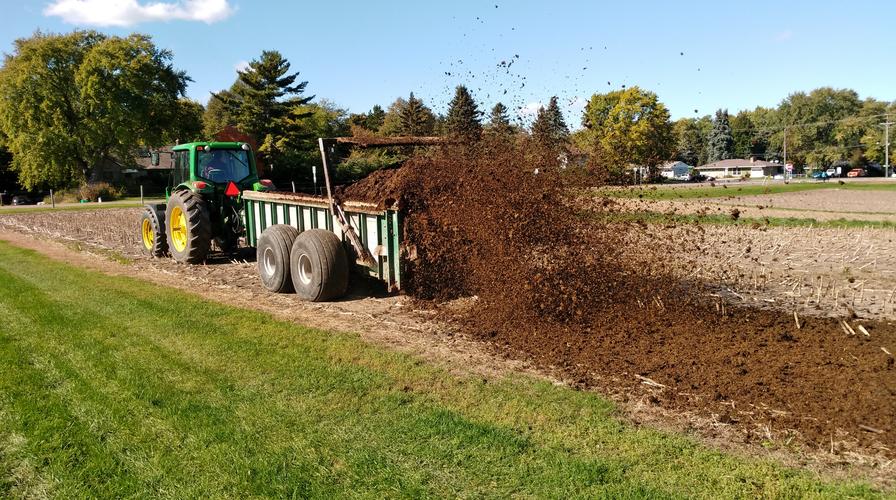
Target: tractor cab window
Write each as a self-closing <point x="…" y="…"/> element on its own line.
<point x="223" y="165"/>
<point x="181" y="167"/>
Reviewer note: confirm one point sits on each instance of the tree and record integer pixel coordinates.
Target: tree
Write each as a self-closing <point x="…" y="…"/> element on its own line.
<point x="371" y="121"/>
<point x="218" y="114"/>
<point x="720" y="143"/>
<point x="415" y="118"/>
<point x="392" y="121"/>
<point x="743" y="135"/>
<point x="70" y="102"/>
<point x="464" y="118"/>
<point x="689" y="141"/>
<point x="811" y="122"/>
<point x="873" y="137"/>
<point x="188" y="123"/>
<point x="550" y="135"/>
<point x="499" y="122"/>
<point x="266" y="103"/>
<point x="549" y="127"/>
<point x="628" y="126"/>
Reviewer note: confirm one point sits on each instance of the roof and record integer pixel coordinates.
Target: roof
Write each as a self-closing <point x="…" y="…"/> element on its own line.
<point x="374" y="141"/>
<point x="670" y="164"/>
<point x="737" y="163"/>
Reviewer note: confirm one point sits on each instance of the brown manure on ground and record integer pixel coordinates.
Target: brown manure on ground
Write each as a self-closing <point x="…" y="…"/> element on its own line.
<point x="554" y="286"/>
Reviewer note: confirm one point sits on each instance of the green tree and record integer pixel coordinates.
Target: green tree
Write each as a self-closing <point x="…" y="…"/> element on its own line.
<point x="689" y="141"/>
<point x="720" y="143"/>
<point x="218" y="114"/>
<point x="70" y="102"/>
<point x="628" y="126"/>
<point x="743" y="135"/>
<point x="872" y="138"/>
<point x="549" y="127"/>
<point x="811" y="122"/>
<point x="415" y="118"/>
<point x="188" y="124"/>
<point x="267" y="103"/>
<point x="371" y="121"/>
<point x="464" y="118"/>
<point x="499" y="121"/>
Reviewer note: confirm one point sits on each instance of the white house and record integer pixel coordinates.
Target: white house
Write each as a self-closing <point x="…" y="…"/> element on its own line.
<point x="675" y="170"/>
<point x="739" y="167"/>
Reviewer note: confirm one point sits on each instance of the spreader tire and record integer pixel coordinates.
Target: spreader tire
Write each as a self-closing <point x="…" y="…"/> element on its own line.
<point x="189" y="227"/>
<point x="152" y="232"/>
<point x="273" y="257"/>
<point x="319" y="266"/>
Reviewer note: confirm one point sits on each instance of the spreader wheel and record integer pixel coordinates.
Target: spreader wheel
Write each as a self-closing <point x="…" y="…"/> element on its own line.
<point x="272" y="256"/>
<point x="319" y="266"/>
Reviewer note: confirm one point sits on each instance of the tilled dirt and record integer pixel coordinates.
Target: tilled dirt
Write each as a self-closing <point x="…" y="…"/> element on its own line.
<point x="563" y="292"/>
<point x="559" y="288"/>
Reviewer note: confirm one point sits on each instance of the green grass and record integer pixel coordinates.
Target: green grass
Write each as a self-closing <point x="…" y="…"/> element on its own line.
<point x="678" y="192"/>
<point x="725" y="219"/>
<point x="113" y="387"/>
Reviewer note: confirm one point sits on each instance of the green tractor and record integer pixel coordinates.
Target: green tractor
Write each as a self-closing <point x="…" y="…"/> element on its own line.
<point x="204" y="201"/>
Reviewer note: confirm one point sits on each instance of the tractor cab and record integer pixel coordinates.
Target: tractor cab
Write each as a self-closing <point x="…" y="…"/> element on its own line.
<point x="204" y="200"/>
<point x="209" y="167"/>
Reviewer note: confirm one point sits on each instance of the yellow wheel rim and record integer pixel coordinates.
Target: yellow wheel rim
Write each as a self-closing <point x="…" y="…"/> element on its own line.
<point x="149" y="236"/>
<point x="178" y="228"/>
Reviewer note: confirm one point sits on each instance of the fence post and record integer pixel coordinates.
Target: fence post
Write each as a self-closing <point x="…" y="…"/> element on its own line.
<point x="141" y="194"/>
<point x="293" y="186"/>
<point x="52" y="199"/>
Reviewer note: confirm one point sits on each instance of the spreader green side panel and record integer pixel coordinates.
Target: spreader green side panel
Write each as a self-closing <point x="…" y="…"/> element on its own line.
<point x="379" y="230"/>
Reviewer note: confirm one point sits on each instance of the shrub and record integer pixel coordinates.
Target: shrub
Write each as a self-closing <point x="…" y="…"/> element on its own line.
<point x="90" y="192"/>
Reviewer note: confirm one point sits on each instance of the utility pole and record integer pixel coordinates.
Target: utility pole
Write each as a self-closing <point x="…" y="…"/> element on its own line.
<point x="886" y="125"/>
<point x="785" y="154"/>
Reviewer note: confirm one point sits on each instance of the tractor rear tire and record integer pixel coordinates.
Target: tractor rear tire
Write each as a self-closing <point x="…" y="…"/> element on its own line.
<point x="272" y="256"/>
<point x="189" y="227"/>
<point x="152" y="230"/>
<point x="319" y="266"/>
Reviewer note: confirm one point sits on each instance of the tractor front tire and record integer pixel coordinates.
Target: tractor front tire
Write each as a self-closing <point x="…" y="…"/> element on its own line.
<point x="152" y="230"/>
<point x="189" y="227"/>
<point x="272" y="256"/>
<point x="319" y="266"/>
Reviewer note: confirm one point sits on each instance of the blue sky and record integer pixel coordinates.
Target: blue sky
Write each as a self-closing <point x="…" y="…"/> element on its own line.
<point x="694" y="55"/>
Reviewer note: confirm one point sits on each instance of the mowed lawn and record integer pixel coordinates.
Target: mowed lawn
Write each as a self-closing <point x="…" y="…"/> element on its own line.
<point x="114" y="387"/>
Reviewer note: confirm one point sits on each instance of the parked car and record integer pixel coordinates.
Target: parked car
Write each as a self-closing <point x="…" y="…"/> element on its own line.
<point x="831" y="172"/>
<point x="856" y="172"/>
<point x="22" y="199"/>
<point x="821" y="175"/>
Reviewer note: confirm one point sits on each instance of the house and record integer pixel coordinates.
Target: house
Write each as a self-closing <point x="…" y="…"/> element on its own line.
<point x="740" y="167"/>
<point x="675" y="170"/>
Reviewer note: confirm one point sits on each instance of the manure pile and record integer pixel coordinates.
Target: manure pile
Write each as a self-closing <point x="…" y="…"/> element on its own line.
<point x="554" y="286"/>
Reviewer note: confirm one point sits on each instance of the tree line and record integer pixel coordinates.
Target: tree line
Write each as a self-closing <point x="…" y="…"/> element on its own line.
<point x="68" y="102"/>
<point x="821" y="128"/>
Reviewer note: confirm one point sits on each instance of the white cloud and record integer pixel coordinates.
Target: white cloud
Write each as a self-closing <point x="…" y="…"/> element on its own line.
<point x="530" y="110"/>
<point x="131" y="12"/>
<point x="241" y="66"/>
<point x="784" y="36"/>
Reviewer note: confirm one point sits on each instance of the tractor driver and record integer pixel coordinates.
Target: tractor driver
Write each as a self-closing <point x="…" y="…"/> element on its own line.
<point x="217" y="169"/>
